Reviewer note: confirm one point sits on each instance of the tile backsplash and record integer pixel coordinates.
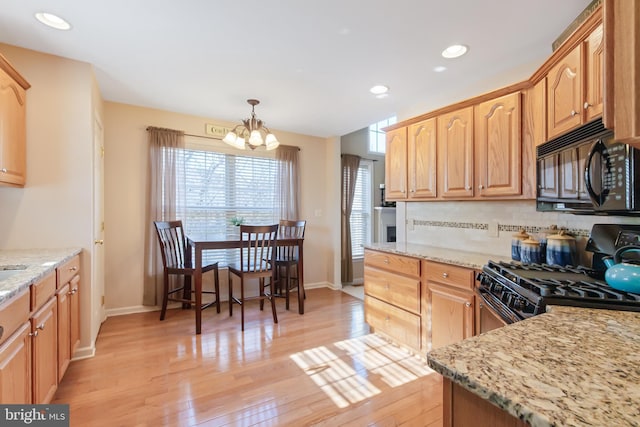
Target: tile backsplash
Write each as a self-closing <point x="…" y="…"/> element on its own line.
<point x="487" y="227"/>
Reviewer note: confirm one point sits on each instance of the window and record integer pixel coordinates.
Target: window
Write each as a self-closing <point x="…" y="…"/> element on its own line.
<point x="361" y="212"/>
<point x="377" y="135"/>
<point x="217" y="188"/>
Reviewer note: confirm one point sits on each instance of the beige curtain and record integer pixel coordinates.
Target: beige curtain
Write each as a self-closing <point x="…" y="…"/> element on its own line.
<point x="166" y="147"/>
<point x="288" y="182"/>
<point x="350" y="164"/>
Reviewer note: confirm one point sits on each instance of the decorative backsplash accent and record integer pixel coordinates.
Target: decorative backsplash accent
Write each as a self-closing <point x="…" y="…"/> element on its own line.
<point x="511" y="228"/>
<point x="449" y="224"/>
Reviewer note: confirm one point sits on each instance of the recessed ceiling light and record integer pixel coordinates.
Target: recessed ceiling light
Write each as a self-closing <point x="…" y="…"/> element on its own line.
<point x="439" y="68"/>
<point x="52" y="21"/>
<point x="379" y="89"/>
<point x="455" y="51"/>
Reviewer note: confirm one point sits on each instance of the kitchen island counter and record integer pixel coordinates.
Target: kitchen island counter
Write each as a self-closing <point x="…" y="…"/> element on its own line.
<point x="567" y="367"/>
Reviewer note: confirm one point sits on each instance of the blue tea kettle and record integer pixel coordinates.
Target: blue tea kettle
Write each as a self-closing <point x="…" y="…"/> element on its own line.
<point x="622" y="274"/>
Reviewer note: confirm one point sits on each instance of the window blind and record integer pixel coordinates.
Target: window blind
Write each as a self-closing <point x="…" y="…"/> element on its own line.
<point x="360" y="219"/>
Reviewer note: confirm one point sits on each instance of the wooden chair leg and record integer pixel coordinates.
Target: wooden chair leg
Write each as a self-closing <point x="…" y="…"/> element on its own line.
<point x="230" y="295"/>
<point x="217" y="287"/>
<point x="186" y="291"/>
<point x="242" y="302"/>
<point x="287" y="284"/>
<point x="165" y="296"/>
<point x="261" y="286"/>
<point x="273" y="304"/>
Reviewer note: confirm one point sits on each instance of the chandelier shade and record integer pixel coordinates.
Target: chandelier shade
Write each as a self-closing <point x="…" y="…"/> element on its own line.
<point x="250" y="133"/>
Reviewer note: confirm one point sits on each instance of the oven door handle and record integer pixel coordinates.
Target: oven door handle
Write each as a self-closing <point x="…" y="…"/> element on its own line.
<point x="498" y="307"/>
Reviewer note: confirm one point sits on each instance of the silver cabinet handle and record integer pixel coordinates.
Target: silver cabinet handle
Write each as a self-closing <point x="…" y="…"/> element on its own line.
<point x="40" y="327"/>
<point x="480" y="187"/>
<point x="445" y="275"/>
<point x="33" y="334"/>
<point x="467" y="304"/>
<point x="74" y="268"/>
<point x="573" y="113"/>
<point x="386" y="260"/>
<point x="4" y="170"/>
<point x="587" y="105"/>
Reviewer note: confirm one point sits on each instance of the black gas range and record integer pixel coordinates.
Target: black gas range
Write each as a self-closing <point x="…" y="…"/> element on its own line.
<point x="518" y="291"/>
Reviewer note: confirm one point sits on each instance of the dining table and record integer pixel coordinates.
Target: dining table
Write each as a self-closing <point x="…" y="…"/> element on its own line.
<point x="199" y="244"/>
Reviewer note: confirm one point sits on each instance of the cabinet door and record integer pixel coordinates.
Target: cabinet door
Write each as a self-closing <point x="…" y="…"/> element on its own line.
<point x="583" y="154"/>
<point x="569" y="185"/>
<point x="452" y="314"/>
<point x="12" y="131"/>
<point x="396" y="165"/>
<point x="498" y="143"/>
<point x="548" y="176"/>
<point x="594" y="73"/>
<point x="564" y="94"/>
<point x="15" y="367"/>
<point x="45" y="352"/>
<point x="422" y="160"/>
<point x="455" y="154"/>
<point x="74" y="314"/>
<point x="64" y="331"/>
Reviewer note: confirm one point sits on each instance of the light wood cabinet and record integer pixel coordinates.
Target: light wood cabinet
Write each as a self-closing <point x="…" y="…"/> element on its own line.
<point x="576" y="86"/>
<point x="422" y="166"/>
<point x="392" y="289"/>
<point x="455" y="154"/>
<point x="64" y="331"/>
<point x="498" y="147"/>
<point x="68" y="275"/>
<point x="451" y="301"/>
<point x="13" y="140"/>
<point x="396" y="164"/>
<point x="15" y="367"/>
<point x="462" y="408"/>
<point x="44" y="327"/>
<point x="15" y="350"/>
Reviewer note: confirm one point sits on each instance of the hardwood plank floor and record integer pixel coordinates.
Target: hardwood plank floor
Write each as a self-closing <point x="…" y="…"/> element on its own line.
<point x="323" y="368"/>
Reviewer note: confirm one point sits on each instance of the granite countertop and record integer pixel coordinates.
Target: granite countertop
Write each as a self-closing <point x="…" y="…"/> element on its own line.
<point x="433" y="253"/>
<point x="32" y="265"/>
<point x="567" y="367"/>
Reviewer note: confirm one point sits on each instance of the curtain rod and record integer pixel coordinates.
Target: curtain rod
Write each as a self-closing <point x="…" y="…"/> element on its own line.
<point x="361" y="158"/>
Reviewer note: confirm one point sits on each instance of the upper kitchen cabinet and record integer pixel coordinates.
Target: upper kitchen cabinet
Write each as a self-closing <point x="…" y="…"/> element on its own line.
<point x="622" y="50"/>
<point x="498" y="145"/>
<point x="422" y="160"/>
<point x="576" y="83"/>
<point x="455" y="154"/>
<point x="13" y="139"/>
<point x="396" y="164"/>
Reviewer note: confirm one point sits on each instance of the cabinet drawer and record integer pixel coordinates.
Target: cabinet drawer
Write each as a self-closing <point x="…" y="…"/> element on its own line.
<point x="13" y="313"/>
<point x="67" y="270"/>
<point x="400" y="325"/>
<point x="42" y="291"/>
<point x="451" y="275"/>
<point x="397" y="263"/>
<point x="400" y="291"/>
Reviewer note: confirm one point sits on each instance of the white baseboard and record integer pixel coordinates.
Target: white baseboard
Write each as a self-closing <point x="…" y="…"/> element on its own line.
<point x="84" y="352"/>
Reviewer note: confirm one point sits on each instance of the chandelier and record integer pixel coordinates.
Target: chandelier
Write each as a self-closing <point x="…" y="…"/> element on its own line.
<point x="249" y="133"/>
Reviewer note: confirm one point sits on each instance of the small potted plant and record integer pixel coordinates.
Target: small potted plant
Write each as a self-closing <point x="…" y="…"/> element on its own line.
<point x="237" y="221"/>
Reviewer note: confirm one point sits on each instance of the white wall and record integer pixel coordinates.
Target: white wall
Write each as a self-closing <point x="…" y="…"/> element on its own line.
<point x="54" y="209"/>
<point x="126" y="186"/>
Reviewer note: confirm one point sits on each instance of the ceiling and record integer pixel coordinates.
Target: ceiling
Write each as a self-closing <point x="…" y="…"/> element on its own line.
<point x="310" y="63"/>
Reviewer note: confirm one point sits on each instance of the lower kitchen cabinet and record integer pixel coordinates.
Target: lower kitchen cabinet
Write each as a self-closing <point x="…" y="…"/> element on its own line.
<point x="463" y="408"/>
<point x="68" y="280"/>
<point x="44" y="328"/>
<point x="392" y="287"/>
<point x="451" y="300"/>
<point x="15" y="367"/>
<point x="64" y="331"/>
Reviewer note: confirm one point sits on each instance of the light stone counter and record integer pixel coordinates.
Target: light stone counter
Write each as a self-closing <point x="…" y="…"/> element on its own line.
<point x="473" y="260"/>
<point x="37" y="262"/>
<point x="567" y="367"/>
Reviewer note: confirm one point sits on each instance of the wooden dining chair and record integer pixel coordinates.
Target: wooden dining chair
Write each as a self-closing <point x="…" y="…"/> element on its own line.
<point x="176" y="261"/>
<point x="287" y="258"/>
<point x="257" y="252"/>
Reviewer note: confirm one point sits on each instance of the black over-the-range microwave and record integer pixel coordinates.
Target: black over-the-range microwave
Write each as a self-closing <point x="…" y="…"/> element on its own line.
<point x="586" y="171"/>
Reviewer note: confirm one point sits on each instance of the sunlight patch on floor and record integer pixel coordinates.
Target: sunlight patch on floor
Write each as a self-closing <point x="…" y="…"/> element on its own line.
<point x="345" y="378"/>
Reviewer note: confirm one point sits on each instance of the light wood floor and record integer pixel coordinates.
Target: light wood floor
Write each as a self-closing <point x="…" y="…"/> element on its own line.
<point x="322" y="369"/>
